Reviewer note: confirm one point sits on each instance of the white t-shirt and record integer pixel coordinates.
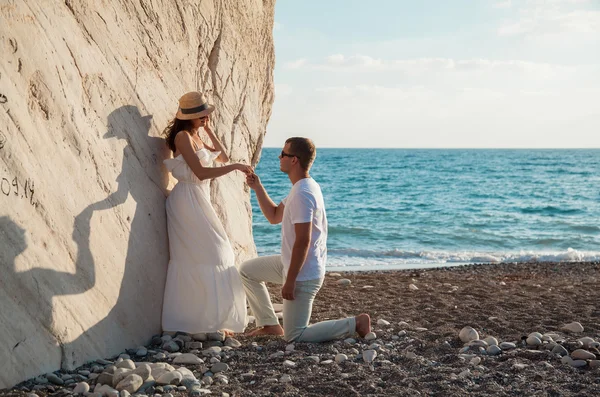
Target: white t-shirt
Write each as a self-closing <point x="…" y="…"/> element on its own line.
<point x="305" y="204"/>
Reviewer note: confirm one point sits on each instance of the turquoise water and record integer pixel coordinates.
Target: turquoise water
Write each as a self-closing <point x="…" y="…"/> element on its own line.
<point x="395" y="208"/>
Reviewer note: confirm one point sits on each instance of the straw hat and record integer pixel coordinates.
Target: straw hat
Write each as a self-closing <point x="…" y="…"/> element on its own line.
<point x="193" y="105"/>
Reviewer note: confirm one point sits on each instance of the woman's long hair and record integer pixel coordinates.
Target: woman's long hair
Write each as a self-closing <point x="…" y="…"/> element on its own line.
<point x="173" y="129"/>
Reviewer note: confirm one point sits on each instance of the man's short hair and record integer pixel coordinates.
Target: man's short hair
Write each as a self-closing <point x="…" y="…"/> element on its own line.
<point x="304" y="149"/>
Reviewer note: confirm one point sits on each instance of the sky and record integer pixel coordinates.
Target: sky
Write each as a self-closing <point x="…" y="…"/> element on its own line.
<point x="437" y="73"/>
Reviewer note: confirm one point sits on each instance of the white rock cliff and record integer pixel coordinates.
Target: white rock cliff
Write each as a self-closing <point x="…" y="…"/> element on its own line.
<point x="86" y="88"/>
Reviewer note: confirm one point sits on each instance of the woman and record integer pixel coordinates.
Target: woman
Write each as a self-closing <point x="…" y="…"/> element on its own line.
<point x="203" y="292"/>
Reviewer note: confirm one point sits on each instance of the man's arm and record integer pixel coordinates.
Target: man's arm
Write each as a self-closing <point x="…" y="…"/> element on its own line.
<point x="299" y="253"/>
<point x="273" y="213"/>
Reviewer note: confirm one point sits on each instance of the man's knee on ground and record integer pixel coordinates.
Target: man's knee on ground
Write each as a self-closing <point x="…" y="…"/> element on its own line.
<point x="292" y="335"/>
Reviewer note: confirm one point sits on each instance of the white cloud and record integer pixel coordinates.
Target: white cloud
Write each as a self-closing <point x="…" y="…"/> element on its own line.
<point x="297" y="64"/>
<point x="361" y="101"/>
<point x="283" y="90"/>
<point x="427" y="66"/>
<point x="503" y="4"/>
<point x="553" y="17"/>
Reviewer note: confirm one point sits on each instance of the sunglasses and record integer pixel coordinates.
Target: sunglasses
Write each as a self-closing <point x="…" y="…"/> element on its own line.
<point x="284" y="154"/>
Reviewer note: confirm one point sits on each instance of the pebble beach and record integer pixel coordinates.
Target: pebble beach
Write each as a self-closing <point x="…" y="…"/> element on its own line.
<point x="496" y="330"/>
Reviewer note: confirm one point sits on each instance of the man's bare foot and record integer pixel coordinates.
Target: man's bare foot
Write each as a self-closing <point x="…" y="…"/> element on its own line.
<point x="267" y="330"/>
<point x="363" y="324"/>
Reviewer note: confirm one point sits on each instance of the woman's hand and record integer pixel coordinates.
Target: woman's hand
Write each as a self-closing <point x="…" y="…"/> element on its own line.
<point x="246" y="169"/>
<point x="207" y="125"/>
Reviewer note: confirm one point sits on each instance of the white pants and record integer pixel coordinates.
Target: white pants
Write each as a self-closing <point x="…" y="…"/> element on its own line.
<point x="296" y="313"/>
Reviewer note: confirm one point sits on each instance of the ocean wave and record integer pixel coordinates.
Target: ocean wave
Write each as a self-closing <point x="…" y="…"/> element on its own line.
<point x="585" y="228"/>
<point x="400" y="257"/>
<point x="551" y="210"/>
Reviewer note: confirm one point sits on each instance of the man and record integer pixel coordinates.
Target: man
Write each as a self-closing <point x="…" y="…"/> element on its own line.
<point x="301" y="265"/>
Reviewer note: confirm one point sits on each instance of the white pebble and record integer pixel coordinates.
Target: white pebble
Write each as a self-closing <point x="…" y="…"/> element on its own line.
<point x="382" y="322"/>
<point x="573" y="327"/>
<point x="588" y="342"/>
<point x="340" y="358"/>
<point x="468" y="334"/>
<point x="412" y="287"/>
<point x="344" y="281"/>
<point x="285" y="379"/>
<point x="533" y="340"/>
<point x="371" y="336"/>
<point x="369" y="355"/>
<point x="288" y="363"/>
<point x="81" y="388"/>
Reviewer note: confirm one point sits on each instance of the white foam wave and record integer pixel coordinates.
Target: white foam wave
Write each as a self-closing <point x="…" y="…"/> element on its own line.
<point x="356" y="257"/>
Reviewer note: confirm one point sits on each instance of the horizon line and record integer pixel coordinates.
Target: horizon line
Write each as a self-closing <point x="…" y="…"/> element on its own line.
<point x="450" y="148"/>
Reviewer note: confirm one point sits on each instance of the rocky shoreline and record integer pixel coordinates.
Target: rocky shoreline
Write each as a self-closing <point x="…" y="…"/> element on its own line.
<point x="495" y="329"/>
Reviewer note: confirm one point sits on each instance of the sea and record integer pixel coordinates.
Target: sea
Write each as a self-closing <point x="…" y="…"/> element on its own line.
<point x="419" y="208"/>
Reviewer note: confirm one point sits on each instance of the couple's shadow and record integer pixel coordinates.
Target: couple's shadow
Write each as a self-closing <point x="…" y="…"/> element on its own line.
<point x="137" y="311"/>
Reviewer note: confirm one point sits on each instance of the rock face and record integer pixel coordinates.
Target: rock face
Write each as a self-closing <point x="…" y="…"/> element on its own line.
<point x="86" y="89"/>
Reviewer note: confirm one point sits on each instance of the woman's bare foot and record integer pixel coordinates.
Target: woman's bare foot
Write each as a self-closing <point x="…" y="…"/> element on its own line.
<point x="267" y="330"/>
<point x="228" y="333"/>
<point x="363" y="324"/>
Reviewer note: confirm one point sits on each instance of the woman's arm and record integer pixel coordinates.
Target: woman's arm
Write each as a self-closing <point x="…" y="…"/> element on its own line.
<point x="217" y="146"/>
<point x="183" y="142"/>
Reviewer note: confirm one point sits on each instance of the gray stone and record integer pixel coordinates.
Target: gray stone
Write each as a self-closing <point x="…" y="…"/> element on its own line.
<point x="202" y="337"/>
<point x="216" y="336"/>
<point x="188" y="358"/>
<point x="219" y="367"/>
<point x="171" y="347"/>
<point x="559" y="349"/>
<point x="507" y="345"/>
<point x="231" y="342"/>
<point x="581" y="354"/>
<point x="141" y="352"/>
<point x="55" y="379"/>
<point x="493" y="350"/>
<point x="193" y="345"/>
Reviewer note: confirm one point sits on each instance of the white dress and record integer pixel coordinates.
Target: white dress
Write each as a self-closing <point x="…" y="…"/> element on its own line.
<point x="204" y="292"/>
